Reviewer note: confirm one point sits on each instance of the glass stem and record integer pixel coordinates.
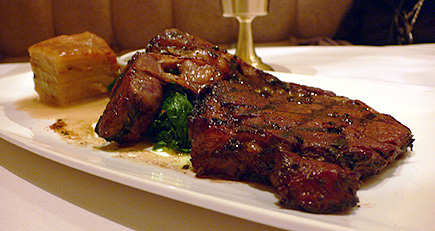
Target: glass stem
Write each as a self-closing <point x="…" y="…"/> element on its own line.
<point x="245" y="43"/>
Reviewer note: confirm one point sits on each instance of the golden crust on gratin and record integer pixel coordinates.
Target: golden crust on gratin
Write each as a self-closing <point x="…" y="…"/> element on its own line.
<point x="72" y="68"/>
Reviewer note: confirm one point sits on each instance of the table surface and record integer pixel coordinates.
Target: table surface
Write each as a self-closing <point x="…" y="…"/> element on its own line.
<point x="40" y="194"/>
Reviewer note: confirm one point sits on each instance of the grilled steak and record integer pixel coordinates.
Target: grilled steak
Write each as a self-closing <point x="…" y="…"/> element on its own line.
<point x="134" y="103"/>
<point x="313" y="146"/>
<point x="173" y="56"/>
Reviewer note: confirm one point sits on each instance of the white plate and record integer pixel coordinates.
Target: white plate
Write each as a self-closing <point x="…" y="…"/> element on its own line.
<point x="123" y="59"/>
<point x="398" y="199"/>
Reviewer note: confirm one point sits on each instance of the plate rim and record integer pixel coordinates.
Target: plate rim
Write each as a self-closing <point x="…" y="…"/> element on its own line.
<point x="247" y="212"/>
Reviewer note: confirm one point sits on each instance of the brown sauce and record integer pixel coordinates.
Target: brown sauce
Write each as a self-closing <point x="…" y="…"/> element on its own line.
<point x="75" y="125"/>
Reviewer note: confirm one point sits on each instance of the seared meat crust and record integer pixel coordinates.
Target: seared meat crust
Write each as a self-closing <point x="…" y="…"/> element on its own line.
<point x="308" y="184"/>
<point x="313" y="146"/>
<point x="137" y="95"/>
<point x="134" y="103"/>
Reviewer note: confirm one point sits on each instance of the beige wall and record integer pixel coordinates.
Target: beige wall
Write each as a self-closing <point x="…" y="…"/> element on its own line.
<point x="129" y="24"/>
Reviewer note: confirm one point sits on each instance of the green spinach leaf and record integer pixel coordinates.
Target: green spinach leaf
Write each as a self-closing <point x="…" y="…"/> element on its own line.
<point x="169" y="131"/>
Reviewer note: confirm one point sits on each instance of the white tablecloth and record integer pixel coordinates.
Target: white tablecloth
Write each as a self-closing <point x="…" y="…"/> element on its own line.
<point x="40" y="194"/>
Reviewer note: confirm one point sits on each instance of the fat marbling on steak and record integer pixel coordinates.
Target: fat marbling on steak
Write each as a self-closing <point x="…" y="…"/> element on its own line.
<point x="312" y="146"/>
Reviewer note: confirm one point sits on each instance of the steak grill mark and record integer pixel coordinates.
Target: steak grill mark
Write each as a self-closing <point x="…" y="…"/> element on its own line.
<point x="313" y="146"/>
